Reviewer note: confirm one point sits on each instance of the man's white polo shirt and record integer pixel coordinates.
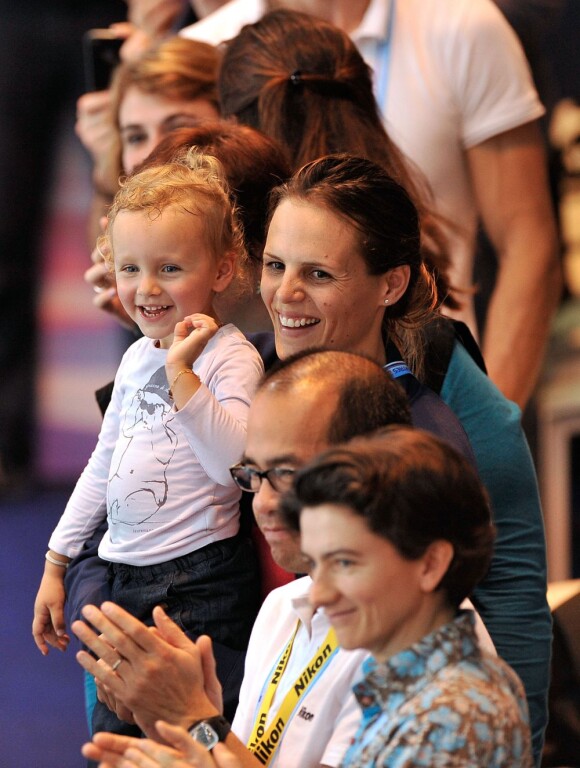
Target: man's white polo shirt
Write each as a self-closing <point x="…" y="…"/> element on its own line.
<point x="326" y="717"/>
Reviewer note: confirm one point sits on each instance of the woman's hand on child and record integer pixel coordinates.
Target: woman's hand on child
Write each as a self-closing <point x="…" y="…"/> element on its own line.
<point x="102" y="280"/>
<point x="48" y="626"/>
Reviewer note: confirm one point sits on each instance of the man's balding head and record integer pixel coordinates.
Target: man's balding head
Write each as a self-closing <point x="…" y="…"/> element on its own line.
<point x="309" y="402"/>
<point x="363" y="396"/>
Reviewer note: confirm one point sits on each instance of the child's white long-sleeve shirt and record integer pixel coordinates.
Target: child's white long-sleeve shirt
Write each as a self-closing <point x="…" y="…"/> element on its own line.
<point x="161" y="475"/>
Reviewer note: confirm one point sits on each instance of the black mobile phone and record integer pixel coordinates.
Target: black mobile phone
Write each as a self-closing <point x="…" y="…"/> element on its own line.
<point x="101" y="55"/>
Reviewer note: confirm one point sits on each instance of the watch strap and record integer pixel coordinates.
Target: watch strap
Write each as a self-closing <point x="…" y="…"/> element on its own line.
<point x="219" y="724"/>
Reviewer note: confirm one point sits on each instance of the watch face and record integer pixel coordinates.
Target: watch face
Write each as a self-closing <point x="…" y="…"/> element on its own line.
<point x="205" y="735"/>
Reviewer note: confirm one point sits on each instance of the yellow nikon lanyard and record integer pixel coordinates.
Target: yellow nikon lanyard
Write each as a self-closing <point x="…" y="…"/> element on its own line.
<point x="264" y="741"/>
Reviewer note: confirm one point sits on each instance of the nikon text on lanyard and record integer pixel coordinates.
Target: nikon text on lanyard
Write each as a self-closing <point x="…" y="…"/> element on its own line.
<point x="264" y="741"/>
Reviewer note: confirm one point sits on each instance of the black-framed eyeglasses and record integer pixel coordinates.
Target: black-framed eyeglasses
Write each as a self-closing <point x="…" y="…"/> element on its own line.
<point x="250" y="478"/>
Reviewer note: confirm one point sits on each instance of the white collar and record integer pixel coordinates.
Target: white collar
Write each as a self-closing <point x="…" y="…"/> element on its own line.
<point x="301" y="604"/>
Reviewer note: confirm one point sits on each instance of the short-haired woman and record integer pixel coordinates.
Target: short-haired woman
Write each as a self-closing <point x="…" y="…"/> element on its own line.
<point x="397" y="531"/>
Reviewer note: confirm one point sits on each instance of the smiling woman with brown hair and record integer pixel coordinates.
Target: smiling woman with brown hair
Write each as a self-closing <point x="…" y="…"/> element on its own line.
<point x="304" y="83"/>
<point x="343" y="270"/>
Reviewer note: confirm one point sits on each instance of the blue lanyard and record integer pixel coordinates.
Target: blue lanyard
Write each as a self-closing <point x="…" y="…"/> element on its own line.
<point x="397" y="368"/>
<point x="384" y="61"/>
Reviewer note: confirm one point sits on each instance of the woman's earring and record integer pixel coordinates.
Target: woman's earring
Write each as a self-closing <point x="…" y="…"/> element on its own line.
<point x="386" y="301"/>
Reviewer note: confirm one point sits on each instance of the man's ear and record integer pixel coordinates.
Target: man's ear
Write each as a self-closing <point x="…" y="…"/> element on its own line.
<point x="226" y="269"/>
<point x="436" y="561"/>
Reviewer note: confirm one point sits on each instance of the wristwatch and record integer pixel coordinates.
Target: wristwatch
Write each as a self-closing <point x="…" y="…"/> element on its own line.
<point x="210" y="730"/>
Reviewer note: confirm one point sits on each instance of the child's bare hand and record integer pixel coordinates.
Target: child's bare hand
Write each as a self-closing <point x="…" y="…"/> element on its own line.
<point x="48" y="626"/>
<point x="189" y="339"/>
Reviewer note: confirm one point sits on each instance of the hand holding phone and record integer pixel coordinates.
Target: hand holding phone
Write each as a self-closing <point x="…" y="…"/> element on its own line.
<point x="101" y="55"/>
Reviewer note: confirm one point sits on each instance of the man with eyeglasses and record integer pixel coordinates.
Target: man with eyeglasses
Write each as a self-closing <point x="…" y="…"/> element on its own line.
<point x="313" y="401"/>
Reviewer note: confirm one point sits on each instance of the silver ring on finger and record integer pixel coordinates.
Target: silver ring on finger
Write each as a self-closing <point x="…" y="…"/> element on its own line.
<point x="117" y="664"/>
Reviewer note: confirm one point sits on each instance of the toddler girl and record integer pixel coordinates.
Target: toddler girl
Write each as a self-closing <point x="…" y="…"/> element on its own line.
<point x="176" y="422"/>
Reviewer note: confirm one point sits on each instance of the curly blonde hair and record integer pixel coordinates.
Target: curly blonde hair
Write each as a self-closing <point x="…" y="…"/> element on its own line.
<point x="195" y="183"/>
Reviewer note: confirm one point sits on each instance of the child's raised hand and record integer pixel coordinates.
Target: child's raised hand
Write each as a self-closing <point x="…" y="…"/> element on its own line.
<point x="189" y="339"/>
<point x="48" y="626"/>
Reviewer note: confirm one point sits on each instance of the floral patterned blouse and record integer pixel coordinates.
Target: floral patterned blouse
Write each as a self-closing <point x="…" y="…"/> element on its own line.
<point x="441" y="702"/>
